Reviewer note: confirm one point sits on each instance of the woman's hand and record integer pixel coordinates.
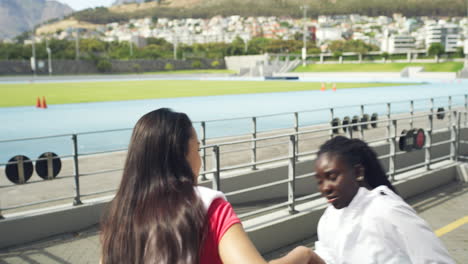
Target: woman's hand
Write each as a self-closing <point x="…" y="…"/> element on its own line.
<point x="299" y="255"/>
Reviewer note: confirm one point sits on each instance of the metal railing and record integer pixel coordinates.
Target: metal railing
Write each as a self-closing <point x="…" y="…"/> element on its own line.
<point x="292" y="139"/>
<point x="291" y="158"/>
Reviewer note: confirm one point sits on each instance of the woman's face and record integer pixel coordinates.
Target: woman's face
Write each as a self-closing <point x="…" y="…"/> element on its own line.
<point x="193" y="156"/>
<point x="336" y="180"/>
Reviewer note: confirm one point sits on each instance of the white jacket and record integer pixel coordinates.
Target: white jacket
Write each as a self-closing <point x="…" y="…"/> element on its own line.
<point x="377" y="227"/>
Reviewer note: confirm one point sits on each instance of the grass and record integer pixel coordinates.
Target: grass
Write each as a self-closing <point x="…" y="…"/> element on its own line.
<point x="82" y="92"/>
<point x="380" y="67"/>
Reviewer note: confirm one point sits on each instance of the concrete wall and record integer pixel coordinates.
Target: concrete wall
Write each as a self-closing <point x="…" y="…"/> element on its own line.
<point x="18" y="67"/>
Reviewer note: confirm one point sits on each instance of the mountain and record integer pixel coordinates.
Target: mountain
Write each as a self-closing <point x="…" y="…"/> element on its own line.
<point x="18" y="16"/>
<point x="123" y="10"/>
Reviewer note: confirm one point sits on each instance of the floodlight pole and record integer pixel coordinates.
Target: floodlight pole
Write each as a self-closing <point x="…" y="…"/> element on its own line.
<point x="33" y="62"/>
<point x="49" y="56"/>
<point x="304" y="35"/>
<point x="131" y="46"/>
<point x="174" y="44"/>
<point x="77" y="46"/>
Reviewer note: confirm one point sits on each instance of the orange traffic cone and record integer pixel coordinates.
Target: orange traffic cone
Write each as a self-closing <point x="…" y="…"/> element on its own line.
<point x="38" y="102"/>
<point x="44" y="104"/>
<point x="323" y="87"/>
<point x="334" y="87"/>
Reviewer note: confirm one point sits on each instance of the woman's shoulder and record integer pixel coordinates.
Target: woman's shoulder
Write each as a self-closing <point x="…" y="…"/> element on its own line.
<point x="386" y="205"/>
<point x="208" y="195"/>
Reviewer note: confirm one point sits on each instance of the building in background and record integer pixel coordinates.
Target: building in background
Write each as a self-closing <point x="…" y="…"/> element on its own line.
<point x="445" y="34"/>
<point x="398" y="43"/>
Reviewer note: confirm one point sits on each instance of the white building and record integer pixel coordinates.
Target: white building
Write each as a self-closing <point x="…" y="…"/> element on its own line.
<point x="398" y="43"/>
<point x="445" y="34"/>
<point x="328" y="34"/>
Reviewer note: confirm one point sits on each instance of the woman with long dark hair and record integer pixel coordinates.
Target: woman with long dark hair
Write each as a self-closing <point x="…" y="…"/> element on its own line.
<point x="366" y="221"/>
<point x="160" y="216"/>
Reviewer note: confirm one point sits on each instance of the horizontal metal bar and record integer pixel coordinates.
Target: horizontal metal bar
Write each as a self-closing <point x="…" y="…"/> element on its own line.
<point x="266" y="209"/>
<point x="272" y="145"/>
<point x="36" y="203"/>
<point x="310" y="196"/>
<point x="35" y="138"/>
<point x="96" y="193"/>
<point x="307" y="153"/>
<point x="234" y="150"/>
<point x="412" y="167"/>
<point x="441" y="143"/>
<point x="256" y="163"/>
<point x="102" y="152"/>
<point x="100" y="172"/>
<point x="307" y="175"/>
<point x="446" y="157"/>
<point x="258" y="187"/>
<point x="104" y="131"/>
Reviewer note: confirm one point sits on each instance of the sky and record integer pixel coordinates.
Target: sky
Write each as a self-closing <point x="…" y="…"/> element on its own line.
<point x="83" y="4"/>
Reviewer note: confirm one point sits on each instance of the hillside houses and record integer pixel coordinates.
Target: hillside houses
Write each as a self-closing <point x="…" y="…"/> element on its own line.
<point x="391" y="34"/>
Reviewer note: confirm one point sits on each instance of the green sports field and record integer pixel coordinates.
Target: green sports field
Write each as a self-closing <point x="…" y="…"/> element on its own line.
<point x="380" y="67"/>
<point x="82" y="92"/>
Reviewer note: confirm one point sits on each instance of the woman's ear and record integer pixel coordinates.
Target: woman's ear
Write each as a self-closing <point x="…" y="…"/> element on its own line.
<point x="359" y="172"/>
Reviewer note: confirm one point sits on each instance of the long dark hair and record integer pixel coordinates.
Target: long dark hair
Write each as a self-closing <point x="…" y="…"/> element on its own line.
<point x="156" y="216"/>
<point x="356" y="152"/>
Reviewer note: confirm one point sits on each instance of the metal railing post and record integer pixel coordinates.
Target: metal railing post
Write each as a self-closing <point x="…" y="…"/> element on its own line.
<point x="203" y="150"/>
<point x="349" y="130"/>
<point x="50" y="168"/>
<point x="1" y="216"/>
<point x="20" y="166"/>
<point x="391" y="162"/>
<point x="427" y="154"/>
<point x="453" y="138"/>
<point x="361" y="131"/>
<point x="77" y="199"/>
<point x="457" y="152"/>
<point x="389" y="122"/>
<point x="292" y="175"/>
<point x="450" y="109"/>
<point x="466" y="109"/>
<point x="216" y="173"/>
<point x="332" y="115"/>
<point x="254" y="143"/>
<point x="432" y="106"/>
<point x="411" y="113"/>
<point x="296" y="129"/>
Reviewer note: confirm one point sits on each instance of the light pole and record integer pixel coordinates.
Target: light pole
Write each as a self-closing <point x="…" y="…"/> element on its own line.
<point x="174" y="44"/>
<point x="33" y="58"/>
<point x="304" y="35"/>
<point x="131" y="46"/>
<point x="77" y="46"/>
<point x="49" y="56"/>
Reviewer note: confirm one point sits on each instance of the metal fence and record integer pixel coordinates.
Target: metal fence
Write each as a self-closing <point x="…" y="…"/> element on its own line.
<point x="292" y="140"/>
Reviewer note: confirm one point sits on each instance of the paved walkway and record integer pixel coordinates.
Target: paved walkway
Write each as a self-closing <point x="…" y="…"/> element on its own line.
<point x="439" y="208"/>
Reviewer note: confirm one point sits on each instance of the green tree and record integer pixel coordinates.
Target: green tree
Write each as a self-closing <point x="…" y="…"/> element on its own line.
<point x="237" y="47"/>
<point x="436" y="49"/>
<point x="104" y="66"/>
